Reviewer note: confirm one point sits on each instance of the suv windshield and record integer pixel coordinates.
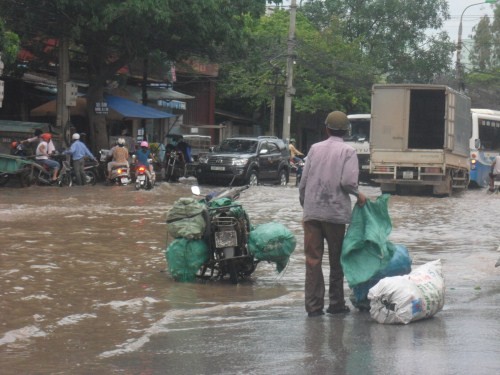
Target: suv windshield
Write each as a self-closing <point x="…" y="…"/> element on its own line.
<point x="238" y="145"/>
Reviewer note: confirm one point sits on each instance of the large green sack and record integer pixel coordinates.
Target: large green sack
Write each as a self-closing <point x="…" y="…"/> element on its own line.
<point x="185" y="257"/>
<point x="272" y="242"/>
<point x="186" y="219"/>
<point x="366" y="250"/>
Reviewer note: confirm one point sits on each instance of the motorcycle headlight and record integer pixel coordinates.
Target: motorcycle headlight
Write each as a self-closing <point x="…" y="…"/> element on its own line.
<point x="240" y="162"/>
<point x="203" y="159"/>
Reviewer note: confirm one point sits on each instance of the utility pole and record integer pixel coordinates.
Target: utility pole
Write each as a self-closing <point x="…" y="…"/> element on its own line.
<point x="62" y="116"/>
<point x="290" y="90"/>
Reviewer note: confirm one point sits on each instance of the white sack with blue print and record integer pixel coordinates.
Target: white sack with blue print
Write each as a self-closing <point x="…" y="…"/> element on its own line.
<point x="404" y="299"/>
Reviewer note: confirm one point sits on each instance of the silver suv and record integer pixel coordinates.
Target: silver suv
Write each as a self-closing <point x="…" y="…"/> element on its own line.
<point x="245" y="160"/>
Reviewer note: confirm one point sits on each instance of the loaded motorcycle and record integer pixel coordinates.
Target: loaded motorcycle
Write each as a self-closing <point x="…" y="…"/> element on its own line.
<point x="227" y="232"/>
<point x="212" y="237"/>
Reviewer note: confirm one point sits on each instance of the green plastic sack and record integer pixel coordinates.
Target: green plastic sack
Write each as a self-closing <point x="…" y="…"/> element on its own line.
<point x="366" y="250"/>
<point x="185" y="257"/>
<point x="272" y="242"/>
<point x="186" y="219"/>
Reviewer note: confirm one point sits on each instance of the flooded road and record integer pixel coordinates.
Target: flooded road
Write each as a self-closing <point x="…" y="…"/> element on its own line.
<point x="85" y="290"/>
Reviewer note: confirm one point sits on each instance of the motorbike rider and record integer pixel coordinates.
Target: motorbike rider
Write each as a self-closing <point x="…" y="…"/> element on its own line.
<point x="294" y="152"/>
<point x="143" y="154"/>
<point x="43" y="152"/>
<point x="495" y="172"/>
<point x="182" y="146"/>
<point x="119" y="155"/>
<point x="78" y="152"/>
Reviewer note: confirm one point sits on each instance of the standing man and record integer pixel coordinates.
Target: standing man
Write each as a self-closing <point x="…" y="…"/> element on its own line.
<point x="330" y="175"/>
<point x="78" y="152"/>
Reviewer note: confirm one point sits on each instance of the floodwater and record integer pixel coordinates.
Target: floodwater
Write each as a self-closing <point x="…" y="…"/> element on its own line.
<point x="85" y="290"/>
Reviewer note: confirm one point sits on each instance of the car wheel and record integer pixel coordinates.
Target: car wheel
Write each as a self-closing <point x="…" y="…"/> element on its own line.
<point x="282" y="178"/>
<point x="253" y="179"/>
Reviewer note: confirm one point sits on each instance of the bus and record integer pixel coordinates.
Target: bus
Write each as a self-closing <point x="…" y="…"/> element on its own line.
<point x="484" y="145"/>
<point x="359" y="138"/>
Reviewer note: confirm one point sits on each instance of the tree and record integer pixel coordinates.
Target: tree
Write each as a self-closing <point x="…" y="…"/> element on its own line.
<point x="391" y="33"/>
<point x="9" y="45"/>
<point x="113" y="33"/>
<point x="482" y="51"/>
<point x="328" y="72"/>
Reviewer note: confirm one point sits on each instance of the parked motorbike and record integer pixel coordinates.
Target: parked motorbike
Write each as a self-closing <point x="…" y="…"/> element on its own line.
<point x="175" y="166"/>
<point x="90" y="170"/>
<point x="144" y="179"/>
<point x="226" y="234"/>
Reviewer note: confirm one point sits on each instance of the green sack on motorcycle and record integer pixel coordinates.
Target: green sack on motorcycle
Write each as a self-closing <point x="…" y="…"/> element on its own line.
<point x="186" y="219"/>
<point x="185" y="257"/>
<point x="272" y="242"/>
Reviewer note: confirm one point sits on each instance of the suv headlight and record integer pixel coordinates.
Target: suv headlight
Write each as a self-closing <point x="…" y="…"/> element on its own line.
<point x="240" y="162"/>
<point x="203" y="159"/>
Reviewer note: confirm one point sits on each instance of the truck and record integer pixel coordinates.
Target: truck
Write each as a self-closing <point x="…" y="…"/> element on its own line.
<point x="420" y="138"/>
<point x="359" y="138"/>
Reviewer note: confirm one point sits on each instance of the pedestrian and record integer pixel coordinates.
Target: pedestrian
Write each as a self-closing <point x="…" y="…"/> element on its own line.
<point x="494" y="172"/>
<point x="78" y="152"/>
<point x="329" y="176"/>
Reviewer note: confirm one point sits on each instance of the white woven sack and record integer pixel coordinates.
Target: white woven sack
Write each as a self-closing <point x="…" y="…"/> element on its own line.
<point x="403" y="299"/>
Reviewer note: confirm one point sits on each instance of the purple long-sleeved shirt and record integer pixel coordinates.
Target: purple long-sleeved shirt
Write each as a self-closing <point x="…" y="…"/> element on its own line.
<point x="330" y="175"/>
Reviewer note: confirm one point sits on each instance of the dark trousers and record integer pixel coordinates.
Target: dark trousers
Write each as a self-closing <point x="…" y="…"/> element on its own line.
<point x="315" y="232"/>
<point x="78" y="169"/>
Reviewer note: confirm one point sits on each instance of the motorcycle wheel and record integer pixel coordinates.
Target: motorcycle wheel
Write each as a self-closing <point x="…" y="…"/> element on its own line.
<point x="137" y="185"/>
<point x="4" y="178"/>
<point x="66" y="180"/>
<point x="91" y="178"/>
<point x="233" y="273"/>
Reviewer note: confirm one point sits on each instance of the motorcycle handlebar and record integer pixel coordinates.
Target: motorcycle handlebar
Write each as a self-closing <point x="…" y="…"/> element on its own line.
<point x="231" y="193"/>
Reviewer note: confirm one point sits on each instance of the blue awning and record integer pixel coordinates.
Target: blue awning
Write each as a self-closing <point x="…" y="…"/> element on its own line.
<point x="130" y="109"/>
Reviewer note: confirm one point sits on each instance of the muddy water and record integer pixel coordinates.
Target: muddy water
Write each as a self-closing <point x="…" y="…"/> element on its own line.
<point x="84" y="290"/>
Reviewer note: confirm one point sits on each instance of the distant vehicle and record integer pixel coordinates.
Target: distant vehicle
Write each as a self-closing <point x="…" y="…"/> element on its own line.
<point x="359" y="138"/>
<point x="420" y="138"/>
<point x="200" y="144"/>
<point x="484" y="145"/>
<point x="245" y="160"/>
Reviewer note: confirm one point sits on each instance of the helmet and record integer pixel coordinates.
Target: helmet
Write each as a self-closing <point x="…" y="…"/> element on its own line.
<point x="337" y="121"/>
<point x="292" y="140"/>
<point x="121" y="141"/>
<point x="46" y="137"/>
<point x="144" y="144"/>
<point x="76" y="136"/>
<point x="14" y="144"/>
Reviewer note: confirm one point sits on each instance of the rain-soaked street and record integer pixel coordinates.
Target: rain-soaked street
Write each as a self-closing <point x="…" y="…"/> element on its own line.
<point x="84" y="290"/>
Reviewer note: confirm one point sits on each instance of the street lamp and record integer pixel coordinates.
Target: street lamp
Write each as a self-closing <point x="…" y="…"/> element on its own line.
<point x="460" y="70"/>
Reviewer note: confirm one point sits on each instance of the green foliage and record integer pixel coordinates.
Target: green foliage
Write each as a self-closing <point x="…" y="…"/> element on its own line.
<point x="9" y="46"/>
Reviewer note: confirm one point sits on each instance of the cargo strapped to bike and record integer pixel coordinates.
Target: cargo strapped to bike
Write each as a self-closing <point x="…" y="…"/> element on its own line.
<point x="186" y="219"/>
